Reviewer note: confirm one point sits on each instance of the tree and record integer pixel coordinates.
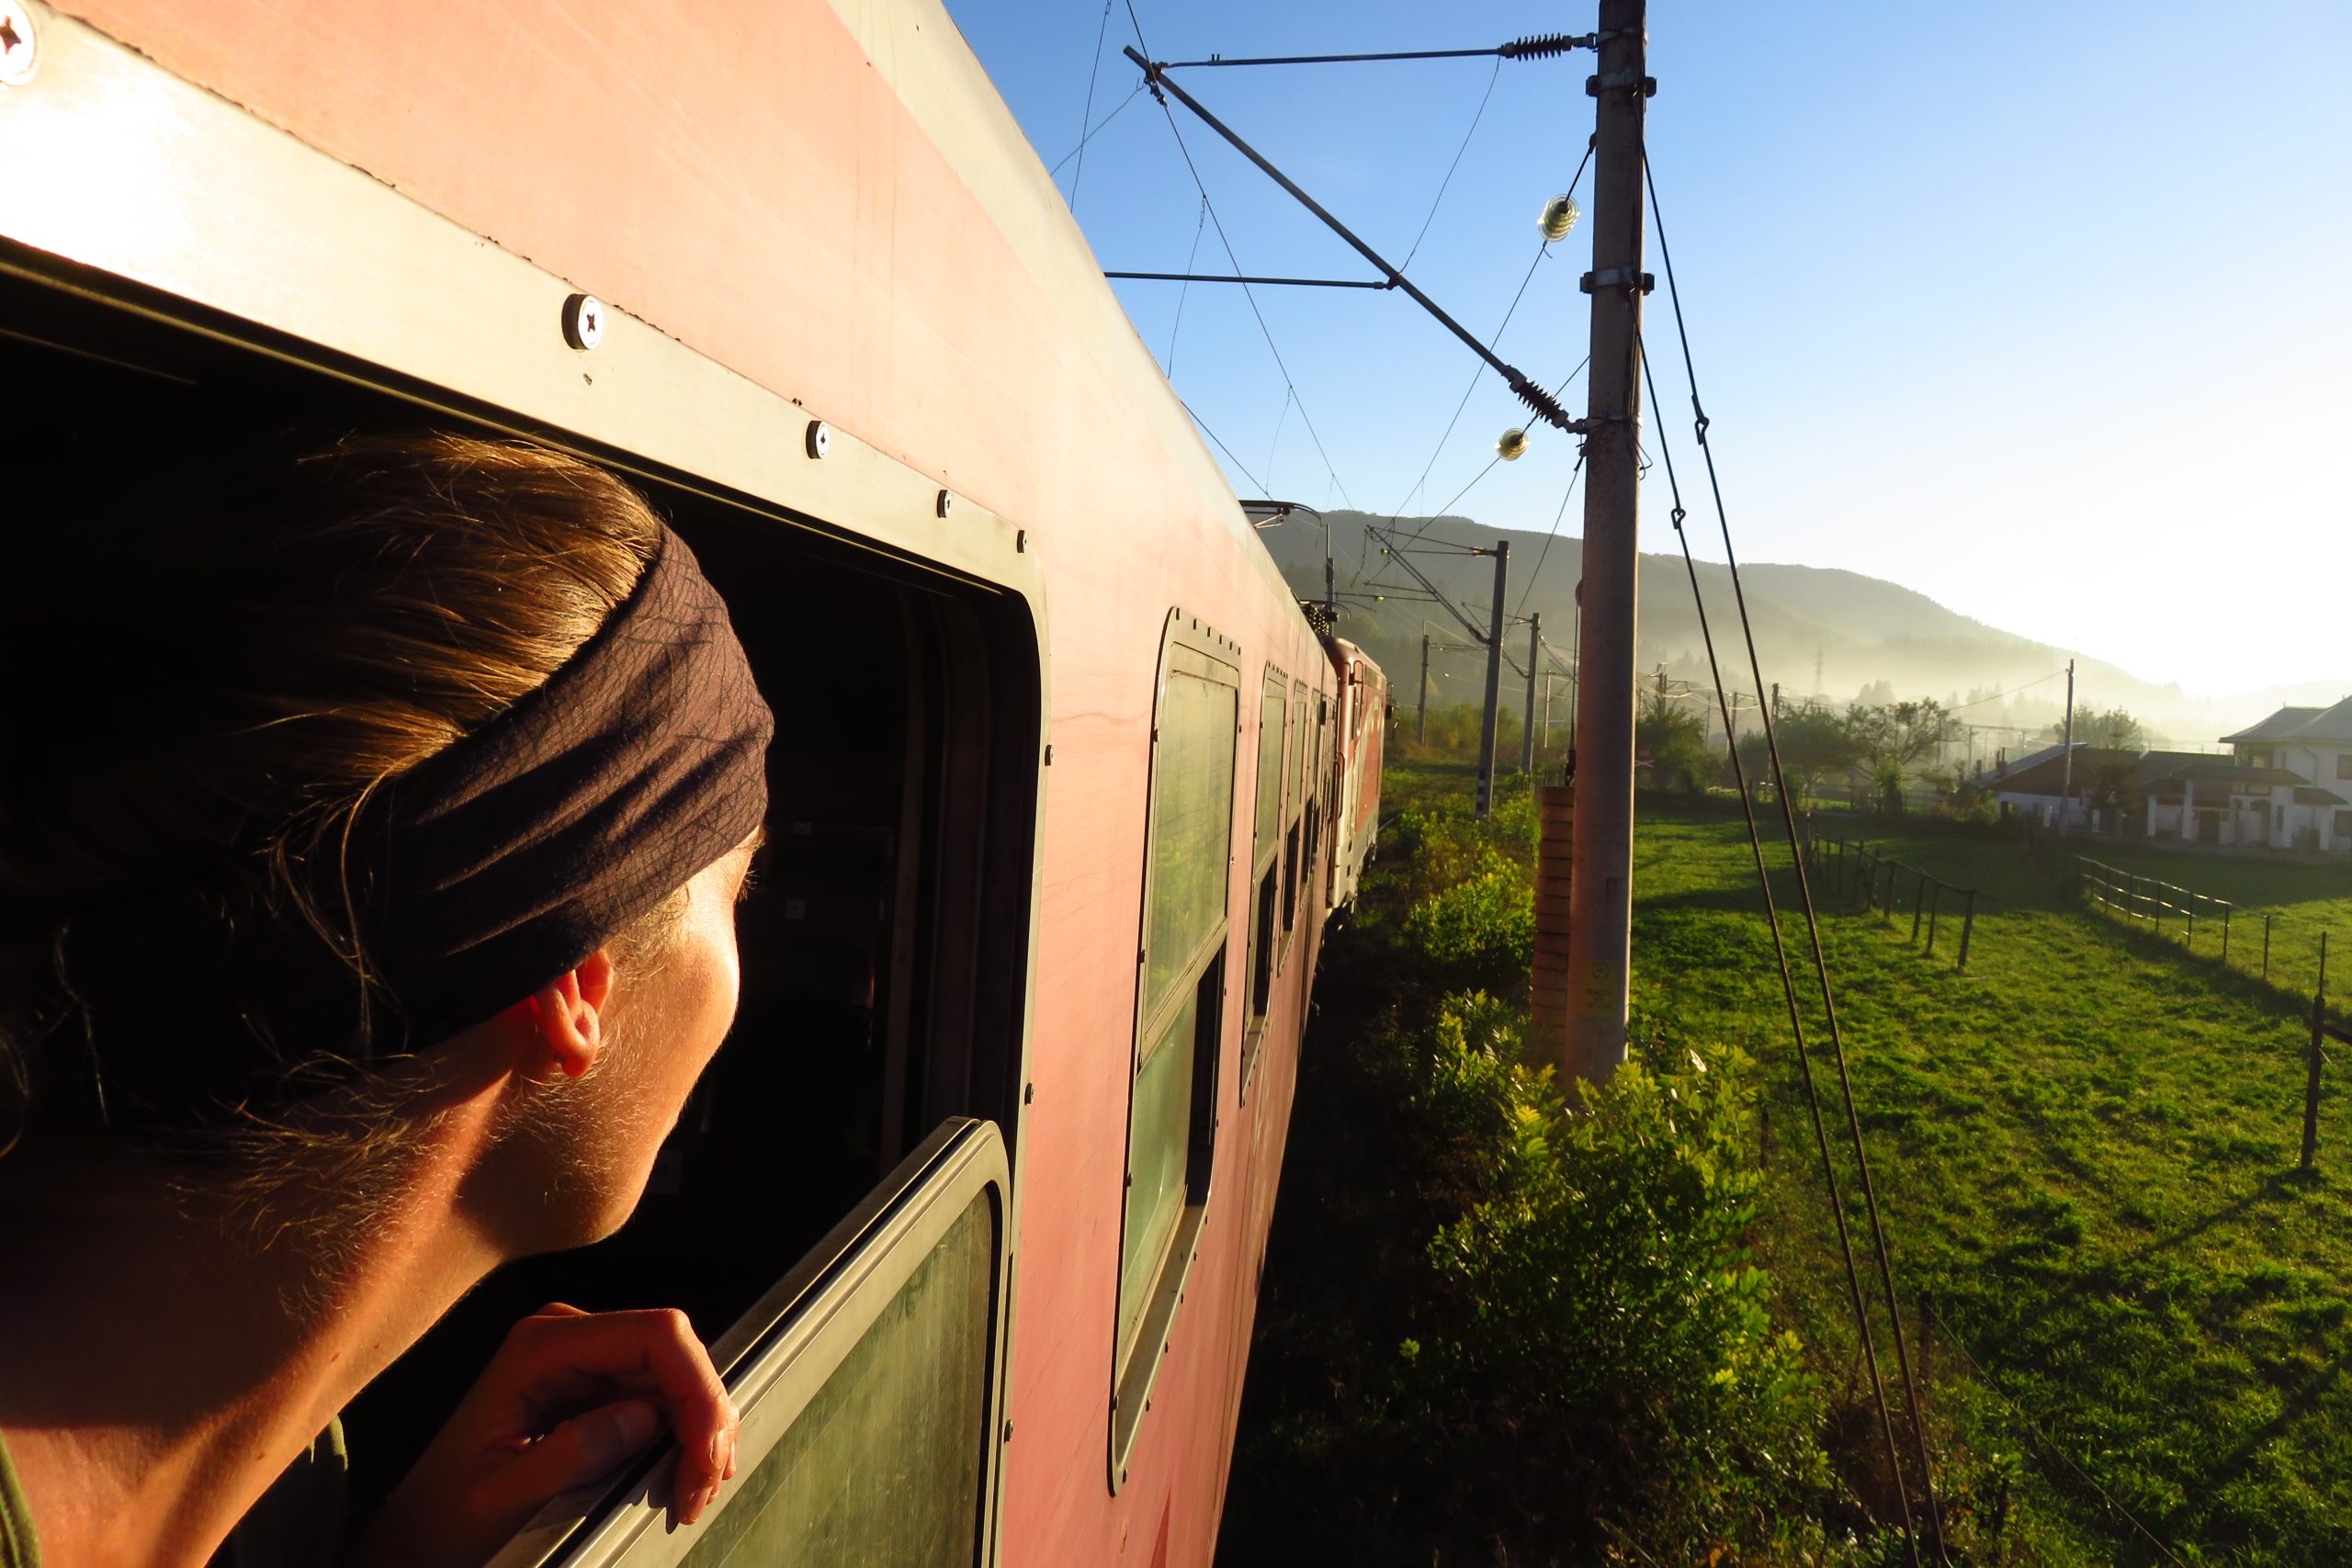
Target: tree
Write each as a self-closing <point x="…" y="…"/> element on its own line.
<point x="1815" y="742"/>
<point x="1672" y="738"/>
<point x="1894" y="738"/>
<point x="2113" y="728"/>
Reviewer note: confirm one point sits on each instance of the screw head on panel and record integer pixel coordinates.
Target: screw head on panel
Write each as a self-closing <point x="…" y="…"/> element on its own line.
<point x="820" y="438"/>
<point x="20" y="46"/>
<point x="584" y="321"/>
<point x="946" y="503"/>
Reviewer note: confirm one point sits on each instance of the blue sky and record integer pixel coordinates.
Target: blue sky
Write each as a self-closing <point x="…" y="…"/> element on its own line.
<point x="2039" y="309"/>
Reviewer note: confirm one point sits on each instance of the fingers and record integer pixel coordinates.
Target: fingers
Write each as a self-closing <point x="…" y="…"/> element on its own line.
<point x="556" y="1355"/>
<point x="584" y="1448"/>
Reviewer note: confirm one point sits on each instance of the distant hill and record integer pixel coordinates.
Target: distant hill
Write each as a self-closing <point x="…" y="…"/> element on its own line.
<point x="1856" y="630"/>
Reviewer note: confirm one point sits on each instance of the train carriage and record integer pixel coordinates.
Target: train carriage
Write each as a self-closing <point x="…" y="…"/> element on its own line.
<point x="973" y="1203"/>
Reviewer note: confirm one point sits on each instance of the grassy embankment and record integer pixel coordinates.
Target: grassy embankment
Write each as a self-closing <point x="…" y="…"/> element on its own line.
<point x="2085" y="1145"/>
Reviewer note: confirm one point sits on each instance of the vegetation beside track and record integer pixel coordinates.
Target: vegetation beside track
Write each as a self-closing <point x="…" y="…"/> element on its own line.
<point x="2086" y="1148"/>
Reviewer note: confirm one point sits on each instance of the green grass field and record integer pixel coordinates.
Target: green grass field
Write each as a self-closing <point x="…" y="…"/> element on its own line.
<point x="2086" y="1148"/>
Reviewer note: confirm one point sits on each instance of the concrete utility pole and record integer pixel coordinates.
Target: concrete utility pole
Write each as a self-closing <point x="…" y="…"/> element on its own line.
<point x="1601" y="869"/>
<point x="1526" y="729"/>
<point x="1494" y="679"/>
<point x="1422" y="708"/>
<point x="2066" y="763"/>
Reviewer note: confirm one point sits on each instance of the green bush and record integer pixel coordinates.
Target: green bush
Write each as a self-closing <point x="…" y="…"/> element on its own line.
<point x="1509" y="1331"/>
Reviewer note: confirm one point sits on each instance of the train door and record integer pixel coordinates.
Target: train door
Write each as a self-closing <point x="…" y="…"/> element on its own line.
<point x="837" y="1207"/>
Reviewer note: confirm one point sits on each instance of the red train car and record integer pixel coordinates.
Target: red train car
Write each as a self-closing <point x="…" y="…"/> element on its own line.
<point x="975" y="1200"/>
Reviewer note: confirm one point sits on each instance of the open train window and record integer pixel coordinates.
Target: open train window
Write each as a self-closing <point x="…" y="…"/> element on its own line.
<point x="885" y="956"/>
<point x="1179" y="1004"/>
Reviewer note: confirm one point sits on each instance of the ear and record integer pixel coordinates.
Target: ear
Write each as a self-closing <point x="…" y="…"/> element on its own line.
<point x="567" y="1019"/>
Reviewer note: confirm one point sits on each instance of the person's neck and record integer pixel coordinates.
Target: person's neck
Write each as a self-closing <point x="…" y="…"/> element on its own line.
<point x="167" y="1358"/>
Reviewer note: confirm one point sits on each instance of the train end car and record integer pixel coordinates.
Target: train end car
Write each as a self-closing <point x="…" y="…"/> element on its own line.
<point x="1364" y="737"/>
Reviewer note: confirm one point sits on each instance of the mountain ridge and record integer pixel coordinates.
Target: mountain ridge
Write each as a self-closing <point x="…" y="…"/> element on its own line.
<point x="1861" y="630"/>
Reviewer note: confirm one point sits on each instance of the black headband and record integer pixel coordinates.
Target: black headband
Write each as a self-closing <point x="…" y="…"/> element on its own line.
<point x="473" y="881"/>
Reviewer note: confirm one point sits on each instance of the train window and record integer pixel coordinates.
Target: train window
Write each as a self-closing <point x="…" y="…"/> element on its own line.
<point x="1264" y="844"/>
<point x="1292" y="845"/>
<point x="1179" y="1004"/>
<point x="880" y="1355"/>
<point x="885" y="956"/>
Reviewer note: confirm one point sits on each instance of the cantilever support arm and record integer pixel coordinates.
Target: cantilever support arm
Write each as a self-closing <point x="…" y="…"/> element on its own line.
<point x="1535" y="397"/>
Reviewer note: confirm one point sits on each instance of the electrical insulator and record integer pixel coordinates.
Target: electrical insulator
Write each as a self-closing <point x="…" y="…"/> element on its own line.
<point x="1560" y="215"/>
<point x="1512" y="445"/>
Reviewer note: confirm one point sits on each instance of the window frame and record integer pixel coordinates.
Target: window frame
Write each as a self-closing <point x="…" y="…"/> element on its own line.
<point x="1193" y="649"/>
<point x="1262" y="961"/>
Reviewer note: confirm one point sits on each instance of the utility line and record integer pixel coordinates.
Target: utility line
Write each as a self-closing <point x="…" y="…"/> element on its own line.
<point x="1254" y="479"/>
<point x="1184" y="293"/>
<point x="1541" y="252"/>
<point x="1996" y="696"/>
<point x="1060" y="162"/>
<point x="1805" y="887"/>
<point x="1101" y="31"/>
<point x="1437" y="200"/>
<point x="2018" y="1410"/>
<point x="1540" y="46"/>
<point x="1290" y="383"/>
<point x="1787" y="982"/>
<point x="1545" y="553"/>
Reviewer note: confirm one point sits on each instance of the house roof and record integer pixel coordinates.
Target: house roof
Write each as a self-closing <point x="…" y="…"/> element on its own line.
<point x="2225" y="776"/>
<point x="2310" y="794"/>
<point x="2329" y="724"/>
<point x="2158" y="765"/>
<point x="2044" y="772"/>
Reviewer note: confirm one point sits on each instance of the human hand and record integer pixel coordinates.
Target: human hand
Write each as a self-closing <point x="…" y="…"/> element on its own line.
<point x="570" y="1396"/>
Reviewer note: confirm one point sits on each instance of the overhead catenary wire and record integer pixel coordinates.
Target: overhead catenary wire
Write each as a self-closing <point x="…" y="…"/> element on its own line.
<point x="1437" y="200"/>
<point x="1538" y="46"/>
<point x="1986" y="1378"/>
<point x="1101" y="31"/>
<point x="1290" y="383"/>
<point x="1787" y="982"/>
<point x="1063" y="162"/>
<point x="1184" y="293"/>
<point x="1804" y="887"/>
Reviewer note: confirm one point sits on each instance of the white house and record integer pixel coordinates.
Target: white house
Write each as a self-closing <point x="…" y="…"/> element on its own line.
<point x="2309" y="747"/>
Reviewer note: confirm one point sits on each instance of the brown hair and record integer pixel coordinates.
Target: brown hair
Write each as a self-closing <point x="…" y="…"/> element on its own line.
<point x="213" y="682"/>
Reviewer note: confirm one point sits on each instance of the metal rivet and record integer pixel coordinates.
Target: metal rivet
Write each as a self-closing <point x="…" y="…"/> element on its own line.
<point x="1008" y="1431"/>
<point x="819" y="438"/>
<point x="946" y="503"/>
<point x="19" y="47"/>
<point x="1029" y="1094"/>
<point x="583" y="320"/>
<point x="1021" y="541"/>
<point x="1049" y="756"/>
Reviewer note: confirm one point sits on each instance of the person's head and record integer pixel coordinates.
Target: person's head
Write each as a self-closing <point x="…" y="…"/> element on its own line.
<point x="344" y="786"/>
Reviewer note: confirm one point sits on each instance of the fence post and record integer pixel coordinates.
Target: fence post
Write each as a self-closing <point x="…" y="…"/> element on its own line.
<point x="2266" y="945"/>
<point x="2225" y="932"/>
<point x="2189" y="932"/>
<point x="1886" y="903"/>
<point x="1932" y="902"/>
<point x="1967" y="929"/>
<point x="1918" y="902"/>
<point x="2311" y="1079"/>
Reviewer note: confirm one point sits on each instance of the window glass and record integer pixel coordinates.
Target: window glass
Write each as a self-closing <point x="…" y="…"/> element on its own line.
<point x="882" y="1468"/>
<point x="1159" y="1145"/>
<point x="1191" y="822"/>
<point x="2344" y="765"/>
<point x="1270" y="767"/>
<point x="1298" y="753"/>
